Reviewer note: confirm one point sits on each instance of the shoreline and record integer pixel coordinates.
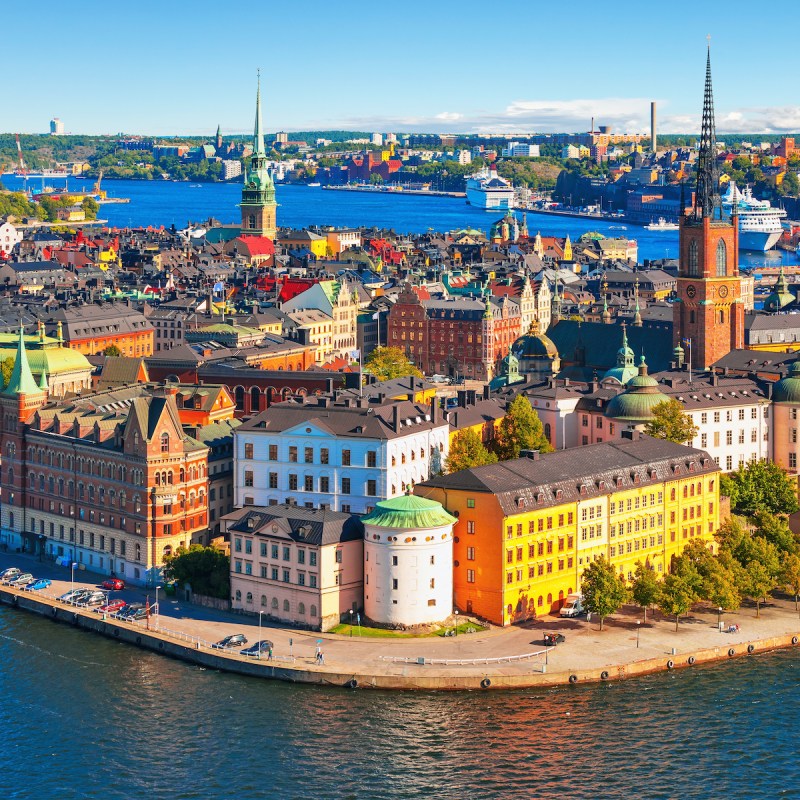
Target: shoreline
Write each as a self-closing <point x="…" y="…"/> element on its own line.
<point x="405" y="676"/>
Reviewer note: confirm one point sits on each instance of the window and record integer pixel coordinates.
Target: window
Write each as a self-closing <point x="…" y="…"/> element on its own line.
<point x="372" y="488"/>
<point x="722" y="259"/>
<point x="792" y="460"/>
<point x="693" y="266"/>
<point x="292" y="482"/>
<point x="273" y="452"/>
<point x="323" y="455"/>
<point x="345" y="485"/>
<point x="248" y="477"/>
<point x="293" y="454"/>
<point x="285" y="576"/>
<point x="274" y="573"/>
<point x="470" y="502"/>
<point x="394" y="583"/>
<point x="308" y="483"/>
<point x="345" y="458"/>
<point x="248" y="450"/>
<point x="325" y="484"/>
<point x="308" y="455"/>
<point x="165" y="442"/>
<point x="338" y="557"/>
<point x="312" y="558"/>
<point x="273" y="480"/>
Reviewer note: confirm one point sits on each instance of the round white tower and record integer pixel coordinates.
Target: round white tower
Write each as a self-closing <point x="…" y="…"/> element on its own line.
<point x="408" y="562"/>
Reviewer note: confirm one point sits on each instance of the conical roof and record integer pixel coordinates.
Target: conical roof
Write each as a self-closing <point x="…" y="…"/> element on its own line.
<point x="781" y="297"/>
<point x="626" y="362"/>
<point x="21" y="380"/>
<point x="408" y="512"/>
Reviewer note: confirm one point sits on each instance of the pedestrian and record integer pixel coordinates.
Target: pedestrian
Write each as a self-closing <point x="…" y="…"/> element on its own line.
<point x="269" y="653"/>
<point x="321" y="658"/>
<point x="318" y="653"/>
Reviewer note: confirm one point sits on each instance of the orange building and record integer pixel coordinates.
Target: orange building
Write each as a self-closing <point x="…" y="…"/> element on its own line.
<point x="91" y="329"/>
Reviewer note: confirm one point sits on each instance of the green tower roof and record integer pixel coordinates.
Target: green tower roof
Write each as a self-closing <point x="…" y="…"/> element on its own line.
<point x="21" y="380"/>
<point x="636" y="403"/>
<point x="408" y="513"/>
<point x="787" y="390"/>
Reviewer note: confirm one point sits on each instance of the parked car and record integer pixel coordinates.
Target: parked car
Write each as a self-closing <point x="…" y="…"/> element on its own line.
<point x="72" y="595"/>
<point x="552" y="639"/>
<point x="137" y="613"/>
<point x="257" y="649"/>
<point x="113" y="583"/>
<point x="35" y="586"/>
<point x="131" y="610"/>
<point x="21" y="579"/>
<point x="573" y="606"/>
<point x="92" y="599"/>
<point x="114" y="607"/>
<point x="10" y="572"/>
<point x="234" y="640"/>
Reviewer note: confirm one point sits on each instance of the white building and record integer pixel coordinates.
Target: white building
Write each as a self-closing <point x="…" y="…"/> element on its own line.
<point x="344" y="455"/>
<point x="520" y="150"/>
<point x="377" y="139"/>
<point x="56" y="127"/>
<point x="408" y="562"/>
<point x="231" y="168"/>
<point x="9" y="237"/>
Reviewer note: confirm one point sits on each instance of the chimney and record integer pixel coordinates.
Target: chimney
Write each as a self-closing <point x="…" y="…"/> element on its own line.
<point x="653" y="145"/>
<point x="462" y="398"/>
<point x="434" y="411"/>
<point x="533" y="455"/>
<point x="396" y="417"/>
<point x="486" y="392"/>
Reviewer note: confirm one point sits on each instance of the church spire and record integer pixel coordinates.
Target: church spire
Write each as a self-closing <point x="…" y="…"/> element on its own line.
<point x="258" y="134"/>
<point x="707" y="202"/>
<point x="21" y="380"/>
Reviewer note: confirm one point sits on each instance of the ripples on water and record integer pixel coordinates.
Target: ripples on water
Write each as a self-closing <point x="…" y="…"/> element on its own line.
<point x="83" y="717"/>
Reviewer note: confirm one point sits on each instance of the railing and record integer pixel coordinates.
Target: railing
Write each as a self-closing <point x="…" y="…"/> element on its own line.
<point x="457" y="662"/>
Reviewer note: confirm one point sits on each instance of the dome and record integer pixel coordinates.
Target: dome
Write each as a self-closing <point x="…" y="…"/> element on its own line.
<point x="787" y="390"/>
<point x="636" y="403"/>
<point x="535" y="345"/>
<point x="408" y="512"/>
<point x="781" y="297"/>
<point x="625" y="370"/>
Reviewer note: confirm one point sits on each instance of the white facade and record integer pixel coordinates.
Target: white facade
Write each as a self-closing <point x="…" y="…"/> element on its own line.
<point x="408" y="573"/>
<point x="317" y="463"/>
<point x="9" y="237"/>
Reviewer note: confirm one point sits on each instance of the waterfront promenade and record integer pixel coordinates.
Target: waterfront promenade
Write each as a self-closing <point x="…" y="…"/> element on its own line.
<point x="511" y="657"/>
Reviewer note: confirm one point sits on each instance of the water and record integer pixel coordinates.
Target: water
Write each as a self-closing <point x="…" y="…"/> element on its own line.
<point x="84" y="717"/>
<point x="167" y="203"/>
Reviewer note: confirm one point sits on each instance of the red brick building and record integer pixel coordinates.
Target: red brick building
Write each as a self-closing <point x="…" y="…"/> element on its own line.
<point x="461" y="337"/>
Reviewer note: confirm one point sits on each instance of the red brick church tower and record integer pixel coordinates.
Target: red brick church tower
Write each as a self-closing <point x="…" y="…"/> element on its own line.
<point x="708" y="316"/>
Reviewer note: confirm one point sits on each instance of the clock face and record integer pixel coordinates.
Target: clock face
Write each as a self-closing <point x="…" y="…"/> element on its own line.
<point x="723" y="291"/>
<point x="691" y="291"/>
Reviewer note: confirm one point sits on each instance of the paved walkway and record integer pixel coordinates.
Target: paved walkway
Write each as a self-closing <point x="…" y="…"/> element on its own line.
<point x="622" y="642"/>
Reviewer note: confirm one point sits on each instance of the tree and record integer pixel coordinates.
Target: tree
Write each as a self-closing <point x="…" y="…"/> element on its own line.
<point x="760" y="486"/>
<point x="758" y="583"/>
<point x="386" y="363"/>
<point x="467" y="451"/>
<point x="7" y="367"/>
<point x="520" y="429"/>
<point x="790" y="575"/>
<point x="671" y="423"/>
<point x="375" y="178"/>
<point x="676" y="597"/>
<point x="112" y="350"/>
<point x="604" y="590"/>
<point x="775" y="529"/>
<point x="205" y="568"/>
<point x="645" y="587"/>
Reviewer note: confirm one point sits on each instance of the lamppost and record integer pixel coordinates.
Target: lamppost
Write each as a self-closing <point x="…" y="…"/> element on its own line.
<point x="638" y="627"/>
<point x="351" y="623"/>
<point x="258" y="654"/>
<point x="719" y="618"/>
<point x="456" y="615"/>
<point x="72" y="582"/>
<point x="157" y="610"/>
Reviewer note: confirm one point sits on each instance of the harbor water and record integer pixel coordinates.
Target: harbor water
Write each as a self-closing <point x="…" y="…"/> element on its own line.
<point x="176" y="203"/>
<point x="84" y="717"/>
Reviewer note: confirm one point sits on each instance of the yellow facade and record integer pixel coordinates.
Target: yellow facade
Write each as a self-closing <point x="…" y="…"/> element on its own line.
<point x="509" y="568"/>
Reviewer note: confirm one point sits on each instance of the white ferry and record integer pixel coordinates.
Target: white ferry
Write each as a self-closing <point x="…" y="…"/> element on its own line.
<point x="662" y="225"/>
<point x="487" y="190"/>
<point x="759" y="223"/>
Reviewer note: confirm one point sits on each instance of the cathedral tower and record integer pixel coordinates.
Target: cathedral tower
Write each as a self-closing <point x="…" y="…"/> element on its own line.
<point x="258" y="192"/>
<point x="709" y="310"/>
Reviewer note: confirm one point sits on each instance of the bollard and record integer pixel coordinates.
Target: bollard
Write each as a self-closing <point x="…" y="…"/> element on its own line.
<point x="544" y="668"/>
<point x="674" y="651"/>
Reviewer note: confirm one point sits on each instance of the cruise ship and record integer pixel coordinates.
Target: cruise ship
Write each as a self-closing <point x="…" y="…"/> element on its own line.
<point x="487" y="190"/>
<point x="759" y="223"/>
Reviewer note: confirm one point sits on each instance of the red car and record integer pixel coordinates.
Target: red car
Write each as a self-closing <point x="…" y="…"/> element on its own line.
<point x="112" y="607"/>
<point x="113" y="583"/>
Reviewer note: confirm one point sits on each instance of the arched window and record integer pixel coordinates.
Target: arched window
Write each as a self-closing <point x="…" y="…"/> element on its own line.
<point x="264" y="600"/>
<point x="721" y="317"/>
<point x="692" y="267"/>
<point x="547" y="430"/>
<point x="165" y="442"/>
<point x="255" y="399"/>
<point x="722" y="259"/>
<point x="313" y="611"/>
<point x="167" y="550"/>
<point x="301" y="609"/>
<point x="286" y="606"/>
<point x="275" y="603"/>
<point x="251" y="222"/>
<point x="249" y="597"/>
<point x="238" y="394"/>
<point x="238" y="595"/>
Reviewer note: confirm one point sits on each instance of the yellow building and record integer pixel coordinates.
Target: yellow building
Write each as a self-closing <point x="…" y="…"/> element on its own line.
<point x="528" y="528"/>
<point x="308" y="240"/>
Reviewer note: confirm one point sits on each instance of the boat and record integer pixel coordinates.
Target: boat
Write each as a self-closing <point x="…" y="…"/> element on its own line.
<point x="662" y="225"/>
<point x="487" y="190"/>
<point x="618" y="227"/>
<point x="760" y="225"/>
<point x="314" y="185"/>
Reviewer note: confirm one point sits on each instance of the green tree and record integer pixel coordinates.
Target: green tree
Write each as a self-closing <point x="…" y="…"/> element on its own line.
<point x="205" y="568"/>
<point x="467" y="451"/>
<point x="375" y="178"/>
<point x="386" y="363"/>
<point x="760" y="486"/>
<point x="90" y="207"/>
<point x="775" y="529"/>
<point x="604" y="591"/>
<point x="671" y="423"/>
<point x="676" y="597"/>
<point x="520" y="429"/>
<point x="645" y="587"/>
<point x="7" y="367"/>
<point x="790" y="575"/>
<point x="112" y="350"/>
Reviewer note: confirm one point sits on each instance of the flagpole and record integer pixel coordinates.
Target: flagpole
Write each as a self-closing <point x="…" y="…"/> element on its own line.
<point x="690" y="360"/>
<point x="360" y="374"/>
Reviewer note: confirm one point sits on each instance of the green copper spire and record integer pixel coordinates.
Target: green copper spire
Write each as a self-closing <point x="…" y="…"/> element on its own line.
<point x="21" y="380"/>
<point x="43" y="381"/>
<point x="258" y="135"/>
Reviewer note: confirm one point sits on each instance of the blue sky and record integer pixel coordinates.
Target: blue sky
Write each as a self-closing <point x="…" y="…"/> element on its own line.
<point x="181" y="68"/>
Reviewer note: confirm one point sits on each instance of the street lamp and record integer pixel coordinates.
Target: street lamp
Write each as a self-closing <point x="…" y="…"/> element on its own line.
<point x="719" y="618"/>
<point x="72" y="582"/>
<point x="157" y="611"/>
<point x="258" y="654"/>
<point x="456" y="615"/>
<point x="638" y="627"/>
<point x="351" y="623"/>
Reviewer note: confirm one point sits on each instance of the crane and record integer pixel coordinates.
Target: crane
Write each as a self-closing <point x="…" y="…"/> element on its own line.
<point x="96" y="189"/>
<point x="22" y="169"/>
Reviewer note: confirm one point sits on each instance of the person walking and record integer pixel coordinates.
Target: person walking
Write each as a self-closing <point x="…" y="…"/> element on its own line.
<point x="269" y="653"/>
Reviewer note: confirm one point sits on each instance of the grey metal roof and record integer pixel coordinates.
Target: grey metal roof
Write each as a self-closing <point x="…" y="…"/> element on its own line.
<point x="313" y="526"/>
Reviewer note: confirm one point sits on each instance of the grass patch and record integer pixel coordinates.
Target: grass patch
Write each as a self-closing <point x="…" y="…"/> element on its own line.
<point x="346" y="629"/>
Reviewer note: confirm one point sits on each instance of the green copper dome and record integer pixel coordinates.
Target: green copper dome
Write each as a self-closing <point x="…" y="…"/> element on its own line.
<point x="626" y="363"/>
<point x="408" y="513"/>
<point x="781" y="297"/>
<point x="787" y="390"/>
<point x="636" y="403"/>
